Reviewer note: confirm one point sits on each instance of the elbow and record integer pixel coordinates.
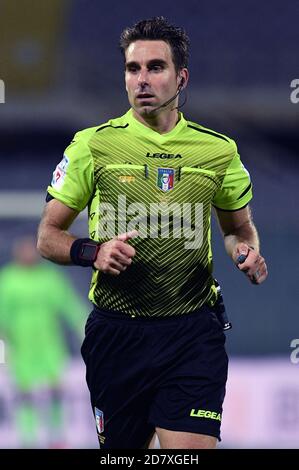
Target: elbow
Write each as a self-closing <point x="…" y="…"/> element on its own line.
<point x="41" y="245"/>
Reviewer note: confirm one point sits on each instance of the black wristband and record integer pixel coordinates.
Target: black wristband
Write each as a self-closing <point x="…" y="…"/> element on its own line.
<point x="84" y="251"/>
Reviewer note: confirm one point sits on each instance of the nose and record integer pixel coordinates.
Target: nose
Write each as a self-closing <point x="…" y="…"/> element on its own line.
<point x="143" y="78"/>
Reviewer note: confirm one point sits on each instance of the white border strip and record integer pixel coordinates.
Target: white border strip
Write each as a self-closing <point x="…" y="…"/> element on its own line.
<point x="24" y="204"/>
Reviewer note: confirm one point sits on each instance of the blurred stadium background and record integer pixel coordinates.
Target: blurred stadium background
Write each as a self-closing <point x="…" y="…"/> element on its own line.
<point x="62" y="71"/>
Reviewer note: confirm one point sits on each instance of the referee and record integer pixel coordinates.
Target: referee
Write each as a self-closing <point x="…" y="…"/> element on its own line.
<point x="154" y="345"/>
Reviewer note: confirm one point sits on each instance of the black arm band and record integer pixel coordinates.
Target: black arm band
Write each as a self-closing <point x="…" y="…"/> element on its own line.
<point x="84" y="251"/>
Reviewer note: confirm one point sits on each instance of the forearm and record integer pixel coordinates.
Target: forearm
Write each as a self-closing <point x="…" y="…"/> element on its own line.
<point x="54" y="244"/>
<point x="246" y="233"/>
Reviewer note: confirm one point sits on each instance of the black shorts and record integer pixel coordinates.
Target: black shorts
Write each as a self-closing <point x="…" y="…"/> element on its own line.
<point x="146" y="373"/>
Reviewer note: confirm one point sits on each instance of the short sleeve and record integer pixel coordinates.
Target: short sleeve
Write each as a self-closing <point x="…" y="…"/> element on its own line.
<point x="72" y="182"/>
<point x="236" y="188"/>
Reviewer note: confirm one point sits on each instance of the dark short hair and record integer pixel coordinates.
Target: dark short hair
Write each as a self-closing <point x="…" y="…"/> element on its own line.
<point x="155" y="29"/>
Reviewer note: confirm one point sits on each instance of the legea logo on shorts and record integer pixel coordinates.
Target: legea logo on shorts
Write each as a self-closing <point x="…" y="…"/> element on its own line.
<point x="205" y="414"/>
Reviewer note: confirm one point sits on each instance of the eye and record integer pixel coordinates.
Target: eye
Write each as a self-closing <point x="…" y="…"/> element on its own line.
<point x="156" y="68"/>
<point x="132" y="69"/>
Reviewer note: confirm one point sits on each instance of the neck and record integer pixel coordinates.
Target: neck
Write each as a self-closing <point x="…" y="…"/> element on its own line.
<point x="162" y="122"/>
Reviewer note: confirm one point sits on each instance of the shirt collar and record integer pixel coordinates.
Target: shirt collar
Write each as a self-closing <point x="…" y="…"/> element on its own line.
<point x="137" y="126"/>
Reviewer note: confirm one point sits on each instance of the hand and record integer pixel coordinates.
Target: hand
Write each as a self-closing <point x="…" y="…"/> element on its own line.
<point x="253" y="266"/>
<point x="116" y="255"/>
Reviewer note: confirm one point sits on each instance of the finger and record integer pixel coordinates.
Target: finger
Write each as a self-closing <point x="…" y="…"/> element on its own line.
<point x="126" y="250"/>
<point x="255" y="266"/>
<point x="113" y="272"/>
<point x="124" y="260"/>
<point x="107" y="267"/>
<point x="258" y="279"/>
<point x="110" y="266"/>
<point x="116" y="249"/>
<point x="251" y="263"/>
<point x="124" y="237"/>
<point x="114" y="264"/>
<point x="262" y="278"/>
<point x="260" y="275"/>
<point x="241" y="253"/>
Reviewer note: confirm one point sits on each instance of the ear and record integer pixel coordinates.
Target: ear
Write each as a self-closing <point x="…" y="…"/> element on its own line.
<point x="183" y="78"/>
<point x="126" y="82"/>
<point x="181" y="83"/>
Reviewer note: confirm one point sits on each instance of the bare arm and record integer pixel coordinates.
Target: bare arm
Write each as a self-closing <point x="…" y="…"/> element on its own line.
<point x="237" y="227"/>
<point x="241" y="237"/>
<point x="54" y="242"/>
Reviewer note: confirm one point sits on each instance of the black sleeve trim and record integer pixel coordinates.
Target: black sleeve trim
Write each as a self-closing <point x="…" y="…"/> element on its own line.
<point x="245" y="191"/>
<point x="208" y="132"/>
<point x="49" y="197"/>
<point x="230" y="210"/>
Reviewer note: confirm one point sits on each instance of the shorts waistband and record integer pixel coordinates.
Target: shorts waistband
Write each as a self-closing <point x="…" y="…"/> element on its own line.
<point x="117" y="315"/>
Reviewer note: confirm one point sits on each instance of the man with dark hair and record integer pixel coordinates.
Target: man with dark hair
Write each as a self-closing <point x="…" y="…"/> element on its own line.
<point x="154" y="344"/>
<point x="158" y="29"/>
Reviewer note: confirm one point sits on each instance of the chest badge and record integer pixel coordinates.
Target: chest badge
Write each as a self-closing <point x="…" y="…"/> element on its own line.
<point x="165" y="179"/>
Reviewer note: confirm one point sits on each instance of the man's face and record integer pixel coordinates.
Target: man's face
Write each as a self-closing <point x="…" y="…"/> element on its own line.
<point x="150" y="75"/>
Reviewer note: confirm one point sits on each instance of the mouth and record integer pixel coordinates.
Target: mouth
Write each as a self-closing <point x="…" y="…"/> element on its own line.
<point x="144" y="96"/>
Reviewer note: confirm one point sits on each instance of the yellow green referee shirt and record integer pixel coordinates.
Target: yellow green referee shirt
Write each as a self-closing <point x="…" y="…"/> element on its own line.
<point x="163" y="185"/>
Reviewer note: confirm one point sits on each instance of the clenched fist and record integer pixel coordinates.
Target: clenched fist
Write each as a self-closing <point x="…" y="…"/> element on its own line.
<point x="116" y="255"/>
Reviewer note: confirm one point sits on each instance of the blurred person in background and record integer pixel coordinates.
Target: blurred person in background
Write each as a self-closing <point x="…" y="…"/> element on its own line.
<point x="154" y="345"/>
<point x="35" y="300"/>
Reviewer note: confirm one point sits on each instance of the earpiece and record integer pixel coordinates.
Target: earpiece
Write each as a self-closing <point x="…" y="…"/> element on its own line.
<point x="181" y="84"/>
<point x="179" y="89"/>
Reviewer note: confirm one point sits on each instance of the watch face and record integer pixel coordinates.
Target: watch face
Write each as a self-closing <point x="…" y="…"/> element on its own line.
<point x="89" y="251"/>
